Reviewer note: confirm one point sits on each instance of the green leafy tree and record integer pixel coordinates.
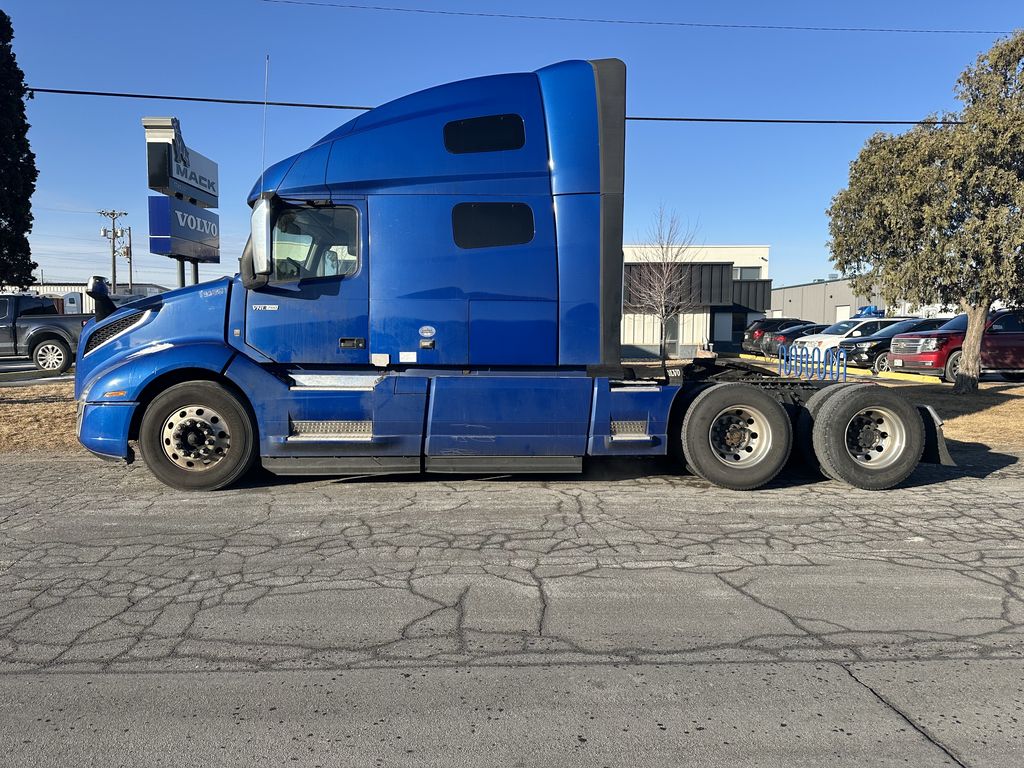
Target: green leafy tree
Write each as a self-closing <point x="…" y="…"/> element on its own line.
<point x="17" y="168"/>
<point x="936" y="215"/>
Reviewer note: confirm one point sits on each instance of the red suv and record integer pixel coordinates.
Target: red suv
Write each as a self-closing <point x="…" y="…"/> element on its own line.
<point x="938" y="352"/>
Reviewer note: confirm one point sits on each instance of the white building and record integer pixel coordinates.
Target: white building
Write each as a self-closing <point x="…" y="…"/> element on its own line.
<point x="731" y="288"/>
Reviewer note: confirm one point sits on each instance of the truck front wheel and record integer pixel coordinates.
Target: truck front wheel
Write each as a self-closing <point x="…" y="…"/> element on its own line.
<point x="736" y="436"/>
<point x="52" y="356"/>
<point x="197" y="436"/>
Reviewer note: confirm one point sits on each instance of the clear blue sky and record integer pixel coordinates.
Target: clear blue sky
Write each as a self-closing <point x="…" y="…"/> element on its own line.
<point x="734" y="184"/>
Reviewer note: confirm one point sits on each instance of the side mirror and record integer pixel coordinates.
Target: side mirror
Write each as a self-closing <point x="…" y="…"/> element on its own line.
<point x="98" y="290"/>
<point x="856" y="333"/>
<point x="262" y="234"/>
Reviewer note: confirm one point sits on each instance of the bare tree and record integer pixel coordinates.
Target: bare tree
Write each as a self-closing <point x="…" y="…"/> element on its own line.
<point x="658" y="282"/>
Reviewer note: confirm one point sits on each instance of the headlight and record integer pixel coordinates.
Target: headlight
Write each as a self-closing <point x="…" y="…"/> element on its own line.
<point x="933" y="343"/>
<point x="864" y="344"/>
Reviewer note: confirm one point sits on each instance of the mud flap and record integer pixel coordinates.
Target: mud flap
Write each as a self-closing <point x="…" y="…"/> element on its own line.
<point x="935" y="449"/>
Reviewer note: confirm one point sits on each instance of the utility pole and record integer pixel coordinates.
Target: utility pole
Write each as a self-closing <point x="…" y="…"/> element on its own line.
<point x="126" y="251"/>
<point x="112" y="234"/>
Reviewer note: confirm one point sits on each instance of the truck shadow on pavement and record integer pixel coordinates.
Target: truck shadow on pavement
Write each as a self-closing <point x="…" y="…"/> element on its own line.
<point x="974" y="460"/>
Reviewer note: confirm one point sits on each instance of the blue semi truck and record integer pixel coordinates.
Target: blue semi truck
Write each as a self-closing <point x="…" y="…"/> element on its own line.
<point x="437" y="286"/>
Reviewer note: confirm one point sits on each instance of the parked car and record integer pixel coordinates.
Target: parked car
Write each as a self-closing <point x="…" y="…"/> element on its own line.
<point x="30" y="327"/>
<point x="772" y="341"/>
<point x="756" y="331"/>
<point x="854" y="328"/>
<point x="939" y="352"/>
<point x="873" y="352"/>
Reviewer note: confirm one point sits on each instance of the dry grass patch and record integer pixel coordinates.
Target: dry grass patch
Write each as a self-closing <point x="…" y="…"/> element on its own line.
<point x="994" y="416"/>
<point x="38" y="419"/>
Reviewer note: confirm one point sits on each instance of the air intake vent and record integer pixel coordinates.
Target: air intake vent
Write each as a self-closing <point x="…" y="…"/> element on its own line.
<point x="105" y="333"/>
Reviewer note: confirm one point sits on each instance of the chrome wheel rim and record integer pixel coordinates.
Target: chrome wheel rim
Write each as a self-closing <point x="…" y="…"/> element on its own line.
<point x="876" y="438"/>
<point x="195" y="438"/>
<point x="882" y="363"/>
<point x="954" y="368"/>
<point x="49" y="357"/>
<point x="740" y="436"/>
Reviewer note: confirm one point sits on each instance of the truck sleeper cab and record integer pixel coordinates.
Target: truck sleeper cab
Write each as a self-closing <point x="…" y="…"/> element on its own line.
<point x="436" y="285"/>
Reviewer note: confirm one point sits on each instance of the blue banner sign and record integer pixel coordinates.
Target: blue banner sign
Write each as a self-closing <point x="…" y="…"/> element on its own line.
<point x="801" y="362"/>
<point x="183" y="230"/>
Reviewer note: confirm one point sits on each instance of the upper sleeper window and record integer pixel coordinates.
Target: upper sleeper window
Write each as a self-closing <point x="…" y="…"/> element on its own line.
<point x="492" y="133"/>
<point x="488" y="225"/>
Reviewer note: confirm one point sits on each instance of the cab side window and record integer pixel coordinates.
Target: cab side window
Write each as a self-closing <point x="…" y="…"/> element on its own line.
<point x="312" y="243"/>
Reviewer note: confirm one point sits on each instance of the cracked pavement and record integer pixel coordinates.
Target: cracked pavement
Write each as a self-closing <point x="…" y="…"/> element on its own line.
<point x="627" y="617"/>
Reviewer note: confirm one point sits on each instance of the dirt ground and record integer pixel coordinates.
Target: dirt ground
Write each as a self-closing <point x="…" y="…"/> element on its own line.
<point x="42" y="418"/>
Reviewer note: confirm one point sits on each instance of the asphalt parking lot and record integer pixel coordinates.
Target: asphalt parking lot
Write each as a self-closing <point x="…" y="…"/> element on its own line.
<point x="626" y="618"/>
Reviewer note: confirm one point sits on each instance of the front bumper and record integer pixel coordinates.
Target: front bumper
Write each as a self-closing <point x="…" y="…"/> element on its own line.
<point x="931" y="363"/>
<point x="860" y="358"/>
<point x="103" y="429"/>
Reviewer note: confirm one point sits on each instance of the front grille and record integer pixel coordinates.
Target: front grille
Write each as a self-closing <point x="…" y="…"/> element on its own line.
<point x="105" y="333"/>
<point x="906" y="346"/>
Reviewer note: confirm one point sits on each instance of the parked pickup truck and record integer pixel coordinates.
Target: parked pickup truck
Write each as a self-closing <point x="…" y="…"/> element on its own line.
<point x="938" y="352"/>
<point x="30" y="327"/>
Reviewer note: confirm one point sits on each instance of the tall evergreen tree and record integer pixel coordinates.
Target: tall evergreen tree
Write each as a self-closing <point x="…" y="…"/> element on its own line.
<point x="17" y="168"/>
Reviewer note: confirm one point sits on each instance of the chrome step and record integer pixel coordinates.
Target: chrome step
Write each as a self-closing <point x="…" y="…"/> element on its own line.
<point x="629" y="432"/>
<point x="331" y="432"/>
<point x="334" y="381"/>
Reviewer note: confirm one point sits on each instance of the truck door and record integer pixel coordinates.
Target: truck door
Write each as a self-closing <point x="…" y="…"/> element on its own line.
<point x="1002" y="346"/>
<point x="315" y="309"/>
<point x="6" y="327"/>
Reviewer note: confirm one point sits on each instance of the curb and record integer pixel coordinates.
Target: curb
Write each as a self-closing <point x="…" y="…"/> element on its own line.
<point x="861" y="372"/>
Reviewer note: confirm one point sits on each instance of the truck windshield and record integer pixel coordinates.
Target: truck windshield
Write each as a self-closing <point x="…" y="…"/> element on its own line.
<point x="841" y="328"/>
<point x="315" y="242"/>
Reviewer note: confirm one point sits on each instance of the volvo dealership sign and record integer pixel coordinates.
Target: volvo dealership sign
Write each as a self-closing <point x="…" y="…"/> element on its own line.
<point x="178" y="228"/>
<point x="180" y="224"/>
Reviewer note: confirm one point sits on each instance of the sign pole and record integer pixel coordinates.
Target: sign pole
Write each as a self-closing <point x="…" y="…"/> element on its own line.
<point x="195" y="273"/>
<point x="181" y="272"/>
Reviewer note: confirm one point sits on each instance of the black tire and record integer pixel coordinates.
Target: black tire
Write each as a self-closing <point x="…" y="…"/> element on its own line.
<point x="869" y="437"/>
<point x="952" y="367"/>
<point x="752" y="458"/>
<point x="805" y="426"/>
<point x="181" y="413"/>
<point x="52" y="356"/>
<point x="882" y="364"/>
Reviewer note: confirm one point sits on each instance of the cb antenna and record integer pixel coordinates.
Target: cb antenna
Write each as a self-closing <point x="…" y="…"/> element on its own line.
<point x="263" y="151"/>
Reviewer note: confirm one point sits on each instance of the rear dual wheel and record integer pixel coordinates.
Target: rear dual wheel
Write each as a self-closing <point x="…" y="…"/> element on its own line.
<point x="868" y="436"/>
<point x="736" y="436"/>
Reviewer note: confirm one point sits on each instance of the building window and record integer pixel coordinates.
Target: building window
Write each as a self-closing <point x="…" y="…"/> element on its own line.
<point x="493" y="133"/>
<point x="746" y="273"/>
<point x="489" y="225"/>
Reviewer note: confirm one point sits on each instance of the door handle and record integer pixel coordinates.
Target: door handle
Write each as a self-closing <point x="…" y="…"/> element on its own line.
<point x="352" y="342"/>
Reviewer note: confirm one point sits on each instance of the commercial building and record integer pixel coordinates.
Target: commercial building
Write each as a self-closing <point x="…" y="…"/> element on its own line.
<point x="729" y="287"/>
<point x="821" y="301"/>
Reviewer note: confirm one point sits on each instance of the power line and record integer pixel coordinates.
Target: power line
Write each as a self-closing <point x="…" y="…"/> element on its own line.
<point x="636" y="118"/>
<point x="636" y="22"/>
<point x="205" y="99"/>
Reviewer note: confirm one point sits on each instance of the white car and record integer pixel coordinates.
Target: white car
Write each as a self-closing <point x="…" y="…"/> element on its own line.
<point x="829" y="339"/>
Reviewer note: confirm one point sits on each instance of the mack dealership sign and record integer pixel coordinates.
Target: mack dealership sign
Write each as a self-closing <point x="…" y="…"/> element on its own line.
<point x="178" y="228"/>
<point x="179" y="224"/>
